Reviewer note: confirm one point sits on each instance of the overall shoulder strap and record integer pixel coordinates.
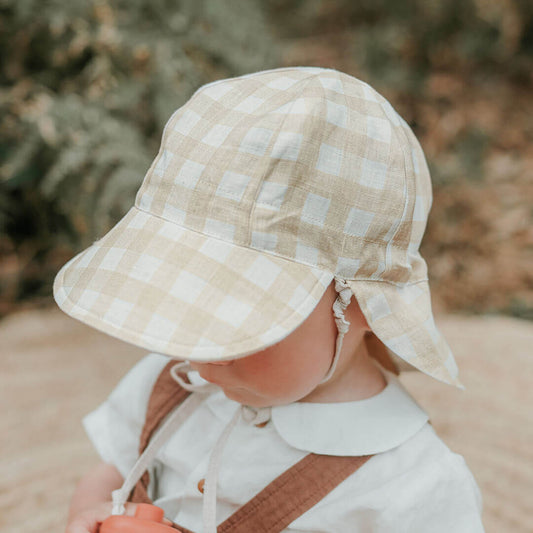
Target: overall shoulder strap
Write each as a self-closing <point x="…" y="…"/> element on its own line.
<point x="292" y="494"/>
<point x="166" y="395"/>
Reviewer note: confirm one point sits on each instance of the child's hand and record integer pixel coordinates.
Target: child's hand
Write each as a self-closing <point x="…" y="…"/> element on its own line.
<point x="91" y="501"/>
<point x="89" y="520"/>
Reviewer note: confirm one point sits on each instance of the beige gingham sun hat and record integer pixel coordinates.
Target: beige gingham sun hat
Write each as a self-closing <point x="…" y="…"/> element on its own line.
<point x="266" y="188"/>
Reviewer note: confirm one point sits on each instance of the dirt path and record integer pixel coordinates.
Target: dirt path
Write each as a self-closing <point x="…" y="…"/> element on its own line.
<point x="54" y="369"/>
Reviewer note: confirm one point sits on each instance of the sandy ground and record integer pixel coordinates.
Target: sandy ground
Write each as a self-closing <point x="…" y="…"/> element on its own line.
<point x="54" y="369"/>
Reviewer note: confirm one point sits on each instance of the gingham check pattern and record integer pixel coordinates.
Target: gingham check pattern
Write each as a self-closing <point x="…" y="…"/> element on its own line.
<point x="290" y="177"/>
<point x="156" y="285"/>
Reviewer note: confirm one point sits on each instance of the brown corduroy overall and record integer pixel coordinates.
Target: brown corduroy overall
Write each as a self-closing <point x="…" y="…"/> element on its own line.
<point x="282" y="501"/>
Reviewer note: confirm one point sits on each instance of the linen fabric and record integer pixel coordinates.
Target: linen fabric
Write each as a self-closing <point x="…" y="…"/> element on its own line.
<point x="265" y="188"/>
<point x="415" y="484"/>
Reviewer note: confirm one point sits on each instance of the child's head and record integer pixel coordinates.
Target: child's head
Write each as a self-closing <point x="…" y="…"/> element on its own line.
<point x="266" y="189"/>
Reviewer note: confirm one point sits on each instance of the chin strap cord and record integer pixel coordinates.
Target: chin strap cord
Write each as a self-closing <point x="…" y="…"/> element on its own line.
<point x="172" y="423"/>
<point x="120" y="496"/>
<point x="250" y="415"/>
<point x="344" y="296"/>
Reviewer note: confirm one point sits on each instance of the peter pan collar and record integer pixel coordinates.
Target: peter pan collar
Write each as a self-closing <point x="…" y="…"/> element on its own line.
<point x="362" y="427"/>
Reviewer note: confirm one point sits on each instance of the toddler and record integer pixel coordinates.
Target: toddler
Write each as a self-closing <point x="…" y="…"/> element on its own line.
<point x="271" y="265"/>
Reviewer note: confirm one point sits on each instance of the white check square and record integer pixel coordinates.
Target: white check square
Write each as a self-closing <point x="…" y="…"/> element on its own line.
<point x="271" y="195"/>
<point x="118" y="312"/>
<point x="187" y="287"/>
<point x="217" y="135"/>
<point x="219" y="229"/>
<point x="87" y="299"/>
<point x="369" y="93"/>
<point x="262" y="273"/>
<point x="138" y="221"/>
<point x="431" y="328"/>
<point x="378" y="307"/>
<point x="306" y="254"/>
<point x="189" y="174"/>
<point x="336" y="114"/>
<point x="416" y="164"/>
<point x="175" y="214"/>
<point x="160" y="328"/>
<point x="378" y="129"/>
<point x="233" y="311"/>
<point x="287" y="146"/>
<point x="390" y="113"/>
<point x="315" y="209"/>
<point x="282" y="83"/>
<point x="299" y="295"/>
<point x="170" y="231"/>
<point x="264" y="241"/>
<point x="329" y="159"/>
<point x="215" y="249"/>
<point x="256" y="141"/>
<point x="420" y="209"/>
<point x="145" y="267"/>
<point x="163" y="162"/>
<point x="358" y="222"/>
<point x="347" y="267"/>
<point x="217" y="90"/>
<point x="186" y="122"/>
<point x="87" y="256"/>
<point x="250" y="104"/>
<point x="296" y="107"/>
<point x="373" y="174"/>
<point x="409" y="293"/>
<point x="333" y="84"/>
<point x="145" y="201"/>
<point x="112" y="258"/>
<point x="402" y="346"/>
<point x="232" y="185"/>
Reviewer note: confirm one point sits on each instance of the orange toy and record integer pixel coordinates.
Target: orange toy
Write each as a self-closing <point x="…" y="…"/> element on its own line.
<point x="147" y="519"/>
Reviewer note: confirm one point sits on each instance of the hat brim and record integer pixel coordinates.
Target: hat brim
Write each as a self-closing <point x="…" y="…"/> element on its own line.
<point x="179" y="292"/>
<point x="402" y="319"/>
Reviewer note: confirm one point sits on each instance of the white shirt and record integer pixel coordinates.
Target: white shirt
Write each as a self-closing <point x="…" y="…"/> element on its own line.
<point x="414" y="484"/>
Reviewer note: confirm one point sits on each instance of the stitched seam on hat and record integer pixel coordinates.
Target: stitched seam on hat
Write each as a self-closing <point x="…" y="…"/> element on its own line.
<point x="405" y="189"/>
<point x="329" y="226"/>
<point x="422" y="163"/>
<point x="321" y="267"/>
<point x="158" y="156"/>
<point x="258" y="189"/>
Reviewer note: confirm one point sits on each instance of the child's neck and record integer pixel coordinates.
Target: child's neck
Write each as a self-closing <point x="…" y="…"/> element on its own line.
<point x="361" y="378"/>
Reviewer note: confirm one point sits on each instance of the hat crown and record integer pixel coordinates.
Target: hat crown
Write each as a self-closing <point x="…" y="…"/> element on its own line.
<point x="305" y="163"/>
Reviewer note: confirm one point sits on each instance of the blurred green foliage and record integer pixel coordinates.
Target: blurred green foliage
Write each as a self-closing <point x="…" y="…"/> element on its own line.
<point x="87" y="85"/>
<point x="399" y="43"/>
